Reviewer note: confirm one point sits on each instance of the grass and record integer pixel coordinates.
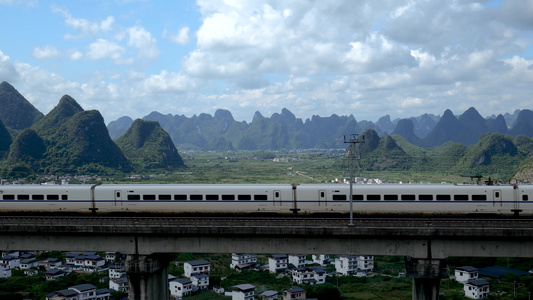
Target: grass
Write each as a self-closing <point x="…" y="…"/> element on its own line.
<point x="298" y="168"/>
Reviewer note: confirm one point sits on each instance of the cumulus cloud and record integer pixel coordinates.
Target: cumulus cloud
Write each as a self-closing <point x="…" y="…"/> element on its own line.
<point x="104" y="49"/>
<point x="181" y="38"/>
<point x="85" y="27"/>
<point x="46" y="52"/>
<point x="145" y="43"/>
<point x="7" y="70"/>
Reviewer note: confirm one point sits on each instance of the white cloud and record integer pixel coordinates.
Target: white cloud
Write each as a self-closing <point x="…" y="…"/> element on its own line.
<point x="168" y="82"/>
<point x="145" y="43"/>
<point x="46" y="52"/>
<point x="181" y="38"/>
<point x="84" y="26"/>
<point x="7" y="70"/>
<point x="104" y="49"/>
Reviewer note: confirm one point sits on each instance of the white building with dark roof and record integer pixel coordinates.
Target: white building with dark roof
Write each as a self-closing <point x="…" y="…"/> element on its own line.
<point x="196" y="267"/>
<point x="201" y="281"/>
<point x="277" y="263"/>
<point x="466" y="273"/>
<point x="269" y="295"/>
<point x="297" y="260"/>
<point x="321" y="259"/>
<point x="309" y="275"/>
<point x="295" y="293"/>
<point x="243" y="261"/>
<point x="243" y="292"/>
<point x="180" y="287"/>
<point x="477" y="289"/>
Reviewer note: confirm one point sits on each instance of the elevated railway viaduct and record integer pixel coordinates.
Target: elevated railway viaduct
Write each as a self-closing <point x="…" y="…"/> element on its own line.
<point x="148" y="241"/>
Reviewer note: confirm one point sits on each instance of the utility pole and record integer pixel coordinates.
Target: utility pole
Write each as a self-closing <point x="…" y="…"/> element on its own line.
<point x="352" y="139"/>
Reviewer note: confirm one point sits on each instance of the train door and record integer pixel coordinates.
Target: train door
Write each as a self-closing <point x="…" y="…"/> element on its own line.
<point x="321" y="197"/>
<point x="497" y="197"/>
<point x="118" y="197"/>
<point x="277" y="197"/>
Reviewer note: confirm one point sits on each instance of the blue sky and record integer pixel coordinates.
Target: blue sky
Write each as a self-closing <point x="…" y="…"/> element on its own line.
<point x="366" y="58"/>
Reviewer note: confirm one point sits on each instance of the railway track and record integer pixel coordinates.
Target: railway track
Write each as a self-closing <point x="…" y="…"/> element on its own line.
<point x="448" y="223"/>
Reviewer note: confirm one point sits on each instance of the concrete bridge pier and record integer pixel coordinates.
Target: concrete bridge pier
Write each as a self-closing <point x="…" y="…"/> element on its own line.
<point x="148" y="276"/>
<point x="426" y="274"/>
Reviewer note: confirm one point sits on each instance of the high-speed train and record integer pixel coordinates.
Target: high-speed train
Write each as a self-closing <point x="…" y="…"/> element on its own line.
<point x="282" y="199"/>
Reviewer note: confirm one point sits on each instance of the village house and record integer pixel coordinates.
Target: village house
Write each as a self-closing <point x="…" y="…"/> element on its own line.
<point x="50" y="263"/>
<point x="10" y="261"/>
<point x="309" y="275"/>
<point x="295" y="293"/>
<point x="119" y="284"/>
<point x="321" y="259"/>
<point x="243" y="261"/>
<point x="365" y="263"/>
<point x="269" y="295"/>
<point x="277" y="263"/>
<point x="110" y="256"/>
<point x="243" y="292"/>
<point x="180" y="287"/>
<point x="53" y="274"/>
<point x="196" y="267"/>
<point x="466" y="273"/>
<point x="346" y="265"/>
<point x="116" y="271"/>
<point x="201" y="281"/>
<point x="5" y="273"/>
<point x="13" y="253"/>
<point x="477" y="289"/>
<point x="297" y="260"/>
<point x="80" y="292"/>
<point x="28" y="263"/>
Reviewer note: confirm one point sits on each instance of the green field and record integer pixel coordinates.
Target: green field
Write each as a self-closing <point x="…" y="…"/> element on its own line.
<point x="299" y="168"/>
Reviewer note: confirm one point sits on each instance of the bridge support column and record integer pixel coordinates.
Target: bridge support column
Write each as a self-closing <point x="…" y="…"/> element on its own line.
<point x="426" y="274"/>
<point x="147" y="276"/>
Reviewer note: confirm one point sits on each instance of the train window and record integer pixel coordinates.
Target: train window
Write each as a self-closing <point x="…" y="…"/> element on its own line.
<point x="408" y="198"/>
<point x="373" y="197"/>
<point x="260" y="197"/>
<point x="165" y="197"/>
<point x="211" y="197"/>
<point x="524" y="198"/>
<point x="337" y="197"/>
<point x="64" y="197"/>
<point x="37" y="197"/>
<point x="358" y="197"/>
<point x="180" y="197"/>
<point x="197" y="197"/>
<point x="390" y="197"/>
<point x="134" y="197"/>
<point x="228" y="197"/>
<point x="244" y="197"/>
<point x="444" y="197"/>
<point x="322" y="194"/>
<point x="276" y="194"/>
<point x="52" y="197"/>
<point x="497" y="194"/>
<point x="23" y="197"/>
<point x="479" y="197"/>
<point x="9" y="197"/>
<point x="148" y="197"/>
<point x="425" y="197"/>
<point x="460" y="197"/>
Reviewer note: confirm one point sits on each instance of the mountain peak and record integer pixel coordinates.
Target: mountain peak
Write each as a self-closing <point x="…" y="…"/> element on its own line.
<point x="66" y="109"/>
<point x="17" y="113"/>
<point x="148" y="146"/>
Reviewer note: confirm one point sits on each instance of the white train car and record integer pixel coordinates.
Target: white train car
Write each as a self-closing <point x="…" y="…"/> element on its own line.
<point x="194" y="199"/>
<point x="29" y="198"/>
<point x="284" y="199"/>
<point x="407" y="199"/>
